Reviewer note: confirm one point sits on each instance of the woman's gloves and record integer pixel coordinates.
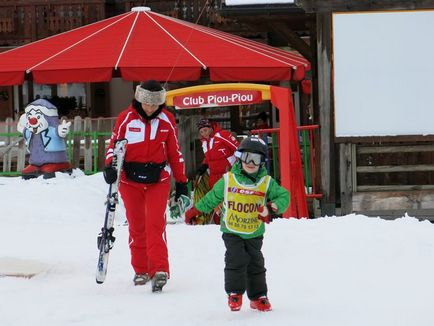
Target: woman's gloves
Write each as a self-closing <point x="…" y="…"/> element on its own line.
<point x="180" y="189"/>
<point x="110" y="174"/>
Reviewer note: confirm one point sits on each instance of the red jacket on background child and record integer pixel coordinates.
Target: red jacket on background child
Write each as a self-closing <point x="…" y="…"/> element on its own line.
<point x="218" y="146"/>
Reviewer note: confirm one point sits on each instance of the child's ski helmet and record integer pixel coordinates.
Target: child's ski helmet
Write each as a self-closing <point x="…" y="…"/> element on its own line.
<point x="253" y="145"/>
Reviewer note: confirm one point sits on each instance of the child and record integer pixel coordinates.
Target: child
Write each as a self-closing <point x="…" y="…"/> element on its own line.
<point x="245" y="191"/>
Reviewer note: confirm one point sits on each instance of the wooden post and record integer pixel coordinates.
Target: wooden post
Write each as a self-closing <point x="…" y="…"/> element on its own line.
<point x="187" y="134"/>
<point x="346" y="177"/>
<point x="325" y="107"/>
<point x="103" y="125"/>
<point x="21" y="155"/>
<point x="88" y="148"/>
<point x="7" y="157"/>
<point x="75" y="161"/>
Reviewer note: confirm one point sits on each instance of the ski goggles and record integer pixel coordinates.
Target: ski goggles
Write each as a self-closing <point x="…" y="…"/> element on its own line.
<point x="248" y="158"/>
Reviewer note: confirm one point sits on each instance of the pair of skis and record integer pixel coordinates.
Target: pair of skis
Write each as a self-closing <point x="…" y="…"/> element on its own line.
<point x="106" y="239"/>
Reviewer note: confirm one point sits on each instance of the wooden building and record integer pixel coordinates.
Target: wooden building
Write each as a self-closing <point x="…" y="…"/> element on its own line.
<point x="283" y="25"/>
<point x="25" y="21"/>
<point x="384" y="175"/>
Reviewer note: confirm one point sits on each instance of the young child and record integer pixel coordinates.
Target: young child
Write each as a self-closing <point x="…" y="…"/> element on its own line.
<point x="246" y="192"/>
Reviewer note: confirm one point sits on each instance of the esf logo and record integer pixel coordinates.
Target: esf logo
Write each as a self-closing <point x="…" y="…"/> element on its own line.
<point x="236" y="190"/>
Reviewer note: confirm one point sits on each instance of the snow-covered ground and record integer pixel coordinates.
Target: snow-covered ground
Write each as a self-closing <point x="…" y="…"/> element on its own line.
<point x="350" y="270"/>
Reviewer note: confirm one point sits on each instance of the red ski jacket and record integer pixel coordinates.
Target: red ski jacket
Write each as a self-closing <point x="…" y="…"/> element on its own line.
<point x="219" y="150"/>
<point x="154" y="140"/>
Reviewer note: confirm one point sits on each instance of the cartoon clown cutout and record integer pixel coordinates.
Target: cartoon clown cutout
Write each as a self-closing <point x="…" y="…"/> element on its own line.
<point x="45" y="140"/>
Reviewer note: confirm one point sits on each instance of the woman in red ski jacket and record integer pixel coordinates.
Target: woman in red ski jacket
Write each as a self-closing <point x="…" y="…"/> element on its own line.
<point x="218" y="146"/>
<point x="152" y="155"/>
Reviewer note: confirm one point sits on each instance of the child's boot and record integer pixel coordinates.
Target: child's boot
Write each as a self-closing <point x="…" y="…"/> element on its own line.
<point x="235" y="300"/>
<point x="261" y="304"/>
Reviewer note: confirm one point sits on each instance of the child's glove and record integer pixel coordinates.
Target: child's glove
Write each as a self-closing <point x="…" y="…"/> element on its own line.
<point x="190" y="215"/>
<point x="264" y="212"/>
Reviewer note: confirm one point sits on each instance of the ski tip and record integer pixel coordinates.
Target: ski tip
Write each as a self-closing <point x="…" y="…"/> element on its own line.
<point x="99" y="282"/>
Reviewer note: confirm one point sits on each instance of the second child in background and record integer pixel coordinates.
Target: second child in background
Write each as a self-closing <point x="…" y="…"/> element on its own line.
<point x="218" y="147"/>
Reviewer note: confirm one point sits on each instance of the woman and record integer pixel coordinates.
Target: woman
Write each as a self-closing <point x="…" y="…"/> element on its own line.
<point x="152" y="154"/>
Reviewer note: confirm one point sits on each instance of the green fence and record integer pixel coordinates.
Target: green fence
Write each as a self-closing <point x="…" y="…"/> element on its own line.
<point x="85" y="150"/>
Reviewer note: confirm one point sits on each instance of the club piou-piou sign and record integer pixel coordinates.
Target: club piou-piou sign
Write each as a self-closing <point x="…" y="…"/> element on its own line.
<point x="217" y="98"/>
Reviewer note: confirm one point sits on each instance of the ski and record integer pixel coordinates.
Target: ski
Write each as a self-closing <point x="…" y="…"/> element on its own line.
<point x="106" y="239"/>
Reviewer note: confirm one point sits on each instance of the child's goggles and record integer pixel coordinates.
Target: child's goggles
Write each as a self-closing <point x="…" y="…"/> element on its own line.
<point x="248" y="157"/>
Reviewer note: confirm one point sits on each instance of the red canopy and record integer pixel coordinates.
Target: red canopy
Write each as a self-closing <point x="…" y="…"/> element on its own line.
<point x="142" y="45"/>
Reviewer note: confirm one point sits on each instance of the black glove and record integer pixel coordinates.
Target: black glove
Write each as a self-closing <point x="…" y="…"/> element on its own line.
<point x="202" y="169"/>
<point x="180" y="189"/>
<point x="110" y="174"/>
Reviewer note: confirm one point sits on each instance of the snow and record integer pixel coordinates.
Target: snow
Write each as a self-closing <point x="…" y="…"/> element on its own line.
<point x="350" y="270"/>
<point x="255" y="2"/>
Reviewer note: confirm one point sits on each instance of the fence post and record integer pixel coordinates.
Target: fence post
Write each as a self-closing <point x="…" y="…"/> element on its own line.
<point x="21" y="155"/>
<point x="75" y="160"/>
<point x="103" y="125"/>
<point x="7" y="157"/>
<point x="87" y="145"/>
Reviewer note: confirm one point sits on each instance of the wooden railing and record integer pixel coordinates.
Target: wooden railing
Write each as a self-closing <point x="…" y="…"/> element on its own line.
<point x="26" y="21"/>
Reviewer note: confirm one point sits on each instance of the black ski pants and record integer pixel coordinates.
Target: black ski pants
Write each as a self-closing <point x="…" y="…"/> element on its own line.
<point x="244" y="266"/>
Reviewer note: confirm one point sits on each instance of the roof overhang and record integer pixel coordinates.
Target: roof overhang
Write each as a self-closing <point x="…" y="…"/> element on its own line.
<point x="264" y="9"/>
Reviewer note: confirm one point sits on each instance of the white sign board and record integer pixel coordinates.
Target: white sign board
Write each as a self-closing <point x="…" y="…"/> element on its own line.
<point x="383" y="73"/>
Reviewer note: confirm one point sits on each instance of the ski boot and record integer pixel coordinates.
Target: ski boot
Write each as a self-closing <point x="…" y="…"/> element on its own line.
<point x="158" y="281"/>
<point x="261" y="304"/>
<point x="141" y="279"/>
<point x="235" y="300"/>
